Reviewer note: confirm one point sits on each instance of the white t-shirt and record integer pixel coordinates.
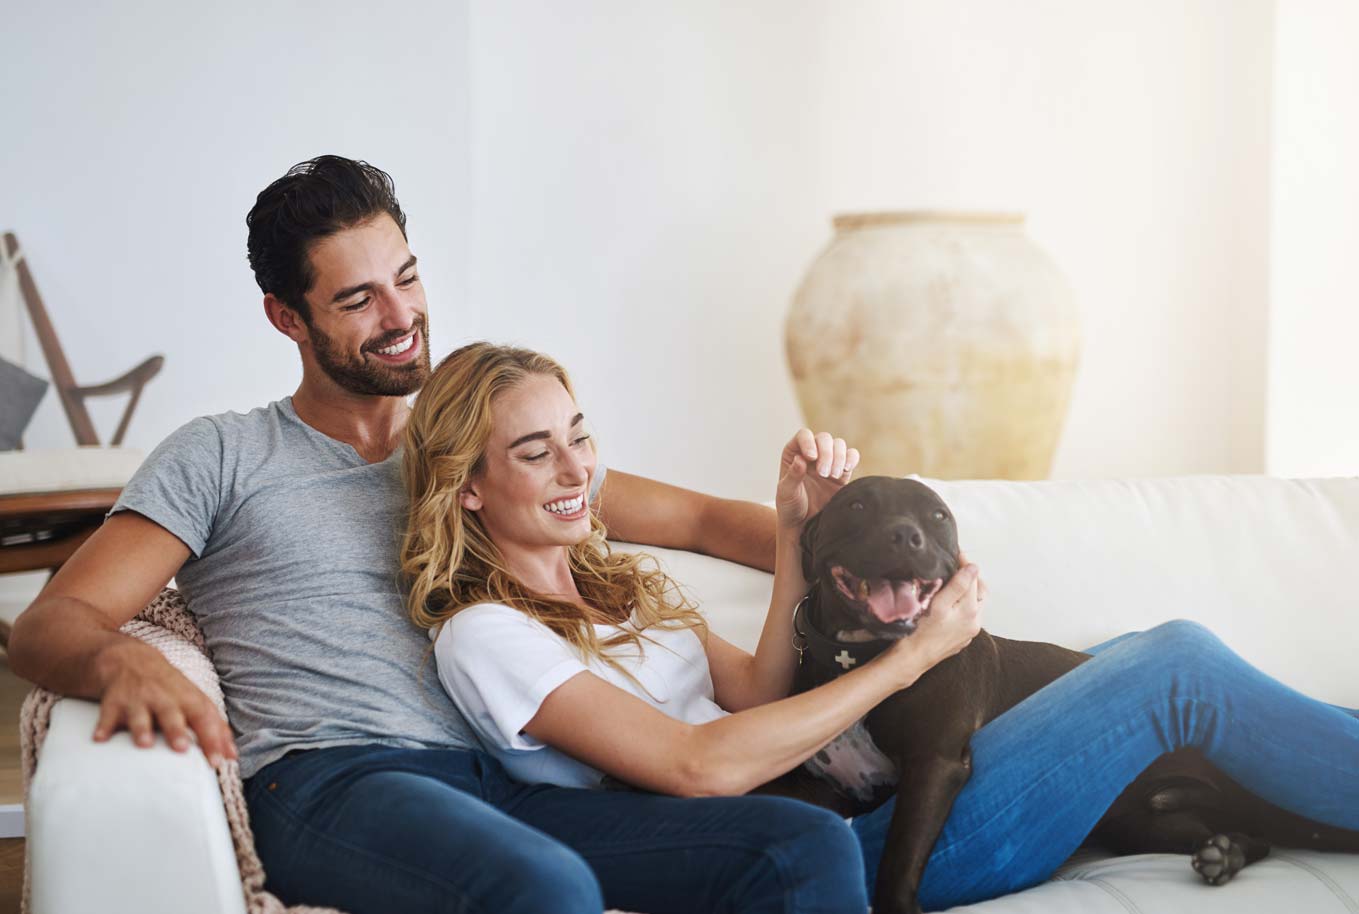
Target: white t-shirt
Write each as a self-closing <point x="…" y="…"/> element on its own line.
<point x="498" y="665"/>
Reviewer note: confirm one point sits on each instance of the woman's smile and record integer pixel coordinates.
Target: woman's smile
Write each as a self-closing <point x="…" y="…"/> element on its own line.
<point x="568" y="509"/>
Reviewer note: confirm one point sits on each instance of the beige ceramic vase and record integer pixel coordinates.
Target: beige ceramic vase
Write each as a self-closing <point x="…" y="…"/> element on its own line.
<point x="938" y="343"/>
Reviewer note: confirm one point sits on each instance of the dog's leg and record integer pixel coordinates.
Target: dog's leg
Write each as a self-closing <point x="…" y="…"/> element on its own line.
<point x="925" y="796"/>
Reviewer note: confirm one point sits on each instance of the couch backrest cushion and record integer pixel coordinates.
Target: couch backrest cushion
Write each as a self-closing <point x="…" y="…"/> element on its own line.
<point x="1270" y="565"/>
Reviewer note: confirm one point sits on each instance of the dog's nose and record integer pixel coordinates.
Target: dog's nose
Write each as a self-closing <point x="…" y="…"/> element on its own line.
<point x="908" y="535"/>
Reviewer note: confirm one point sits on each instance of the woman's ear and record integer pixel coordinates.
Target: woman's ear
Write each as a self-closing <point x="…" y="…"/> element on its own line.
<point x="469" y="499"/>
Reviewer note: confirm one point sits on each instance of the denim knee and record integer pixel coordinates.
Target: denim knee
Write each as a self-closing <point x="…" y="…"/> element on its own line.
<point x="552" y="879"/>
<point x="1180" y="640"/>
<point x="821" y="861"/>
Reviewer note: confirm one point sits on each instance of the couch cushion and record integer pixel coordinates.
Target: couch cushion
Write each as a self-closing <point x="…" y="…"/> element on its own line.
<point x="65" y="469"/>
<point x="1091" y="883"/>
<point x="1267" y="564"/>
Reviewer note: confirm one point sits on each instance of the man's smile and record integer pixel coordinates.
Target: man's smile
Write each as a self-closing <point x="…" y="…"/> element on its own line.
<point x="403" y="350"/>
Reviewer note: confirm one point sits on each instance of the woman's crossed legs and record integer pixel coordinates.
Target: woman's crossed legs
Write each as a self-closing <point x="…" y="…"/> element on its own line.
<point x="1044" y="772"/>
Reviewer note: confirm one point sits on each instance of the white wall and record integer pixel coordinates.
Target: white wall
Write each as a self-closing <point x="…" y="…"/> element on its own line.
<point x="1314" y="317"/>
<point x="649" y="182"/>
<point x="135" y="138"/>
<point x="644" y="198"/>
<point x="637" y="189"/>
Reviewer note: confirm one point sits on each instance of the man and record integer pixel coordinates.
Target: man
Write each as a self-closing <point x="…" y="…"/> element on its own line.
<point x="366" y="790"/>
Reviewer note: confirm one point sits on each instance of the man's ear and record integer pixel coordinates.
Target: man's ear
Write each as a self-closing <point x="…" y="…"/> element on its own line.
<point x="285" y="319"/>
<point x="469" y="499"/>
<point x="808" y="543"/>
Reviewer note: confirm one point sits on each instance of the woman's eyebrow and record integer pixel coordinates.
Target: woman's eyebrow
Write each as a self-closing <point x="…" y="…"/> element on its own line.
<point x="535" y="436"/>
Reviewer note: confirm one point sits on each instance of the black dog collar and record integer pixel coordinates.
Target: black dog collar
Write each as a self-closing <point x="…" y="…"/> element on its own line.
<point x="837" y="656"/>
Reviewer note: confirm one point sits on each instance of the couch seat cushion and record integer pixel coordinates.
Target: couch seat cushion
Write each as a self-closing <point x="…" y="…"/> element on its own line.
<point x="65" y="469"/>
<point x="1097" y="883"/>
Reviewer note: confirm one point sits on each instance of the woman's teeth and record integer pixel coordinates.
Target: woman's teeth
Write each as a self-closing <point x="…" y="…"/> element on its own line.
<point x="398" y="348"/>
<point x="566" y="506"/>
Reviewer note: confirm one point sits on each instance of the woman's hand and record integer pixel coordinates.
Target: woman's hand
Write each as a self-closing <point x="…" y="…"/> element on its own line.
<point x="954" y="620"/>
<point x="811" y="470"/>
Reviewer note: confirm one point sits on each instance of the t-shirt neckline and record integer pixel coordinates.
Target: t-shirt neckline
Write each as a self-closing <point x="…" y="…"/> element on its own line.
<point x="286" y="404"/>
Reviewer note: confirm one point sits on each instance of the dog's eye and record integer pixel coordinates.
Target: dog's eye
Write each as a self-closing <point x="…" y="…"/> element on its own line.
<point x="856" y="506"/>
<point x="939" y="515"/>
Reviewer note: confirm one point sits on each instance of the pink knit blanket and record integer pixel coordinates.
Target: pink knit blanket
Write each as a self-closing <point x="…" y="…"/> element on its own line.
<point x="166" y="625"/>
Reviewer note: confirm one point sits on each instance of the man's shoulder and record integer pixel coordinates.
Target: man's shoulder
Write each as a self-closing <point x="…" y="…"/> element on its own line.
<point x="233" y="422"/>
<point x="229" y="430"/>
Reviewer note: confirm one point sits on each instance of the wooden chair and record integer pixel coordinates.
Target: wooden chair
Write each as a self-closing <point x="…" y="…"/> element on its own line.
<point x="72" y="394"/>
<point x="50" y="502"/>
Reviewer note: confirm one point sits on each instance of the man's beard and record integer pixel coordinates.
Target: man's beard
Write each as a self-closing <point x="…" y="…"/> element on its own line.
<point x="372" y="377"/>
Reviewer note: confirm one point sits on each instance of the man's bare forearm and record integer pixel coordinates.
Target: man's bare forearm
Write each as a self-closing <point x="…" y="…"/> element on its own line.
<point x="738" y="531"/>
<point x="649" y="513"/>
<point x="66" y="645"/>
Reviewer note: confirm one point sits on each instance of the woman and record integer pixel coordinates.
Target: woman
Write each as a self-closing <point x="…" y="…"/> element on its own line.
<point x="574" y="664"/>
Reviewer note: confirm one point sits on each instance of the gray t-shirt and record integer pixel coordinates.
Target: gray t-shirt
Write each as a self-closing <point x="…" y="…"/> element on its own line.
<point x="294" y="581"/>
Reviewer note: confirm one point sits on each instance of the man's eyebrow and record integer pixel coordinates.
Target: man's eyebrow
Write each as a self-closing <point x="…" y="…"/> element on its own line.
<point x="366" y="286"/>
<point x="535" y="436"/>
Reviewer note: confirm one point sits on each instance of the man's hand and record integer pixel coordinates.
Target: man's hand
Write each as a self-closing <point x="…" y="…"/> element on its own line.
<point x="143" y="693"/>
<point x="811" y="470"/>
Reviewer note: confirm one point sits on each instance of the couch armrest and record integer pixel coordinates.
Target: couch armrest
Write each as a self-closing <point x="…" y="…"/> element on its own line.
<point x="119" y="829"/>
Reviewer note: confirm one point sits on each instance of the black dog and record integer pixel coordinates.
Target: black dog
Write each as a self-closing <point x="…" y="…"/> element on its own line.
<point x="876" y="556"/>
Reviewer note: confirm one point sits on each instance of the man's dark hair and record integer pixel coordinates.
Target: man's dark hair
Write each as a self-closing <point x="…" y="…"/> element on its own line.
<point x="314" y="200"/>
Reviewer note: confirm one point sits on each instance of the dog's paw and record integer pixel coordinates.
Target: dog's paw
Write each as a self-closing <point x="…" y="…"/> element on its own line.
<point x="1218" y="859"/>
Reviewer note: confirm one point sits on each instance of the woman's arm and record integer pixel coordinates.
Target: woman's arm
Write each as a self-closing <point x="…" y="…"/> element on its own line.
<point x="621" y="735"/>
<point x="742" y="681"/>
<point x="812" y="468"/>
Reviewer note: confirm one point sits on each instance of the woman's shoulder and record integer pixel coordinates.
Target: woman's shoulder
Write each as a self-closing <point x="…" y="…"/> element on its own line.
<point x="484" y="619"/>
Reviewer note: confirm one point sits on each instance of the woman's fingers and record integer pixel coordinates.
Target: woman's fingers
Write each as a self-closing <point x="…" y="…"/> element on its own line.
<point x="826" y="456"/>
<point x="851" y="461"/>
<point x="803" y="444"/>
<point x="825" y="453"/>
<point x="838" y="455"/>
<point x="958" y="586"/>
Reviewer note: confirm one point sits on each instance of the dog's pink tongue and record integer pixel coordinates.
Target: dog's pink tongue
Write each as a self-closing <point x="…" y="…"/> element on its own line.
<point x="892" y="601"/>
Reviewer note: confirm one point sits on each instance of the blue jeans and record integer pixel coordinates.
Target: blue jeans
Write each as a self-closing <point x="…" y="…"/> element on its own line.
<point x="1044" y="772"/>
<point x="374" y="829"/>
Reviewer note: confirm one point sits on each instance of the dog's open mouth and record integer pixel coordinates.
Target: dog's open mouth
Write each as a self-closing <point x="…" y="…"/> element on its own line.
<point x="890" y="600"/>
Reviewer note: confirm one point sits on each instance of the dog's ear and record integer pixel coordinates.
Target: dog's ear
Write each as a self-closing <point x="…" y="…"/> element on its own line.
<point x="808" y="543"/>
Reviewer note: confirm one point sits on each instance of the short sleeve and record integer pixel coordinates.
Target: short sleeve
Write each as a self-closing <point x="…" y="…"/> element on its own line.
<point x="179" y="486"/>
<point x="498" y="666"/>
<point x="597" y="482"/>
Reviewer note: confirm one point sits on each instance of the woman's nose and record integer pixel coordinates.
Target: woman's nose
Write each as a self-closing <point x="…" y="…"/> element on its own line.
<point x="575" y="468"/>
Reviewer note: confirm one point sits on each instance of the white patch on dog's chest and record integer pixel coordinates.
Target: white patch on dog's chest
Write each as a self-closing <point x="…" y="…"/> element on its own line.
<point x="854" y="764"/>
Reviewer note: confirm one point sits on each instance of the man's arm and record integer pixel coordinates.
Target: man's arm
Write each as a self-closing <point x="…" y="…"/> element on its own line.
<point x="68" y="639"/>
<point x="650" y="513"/>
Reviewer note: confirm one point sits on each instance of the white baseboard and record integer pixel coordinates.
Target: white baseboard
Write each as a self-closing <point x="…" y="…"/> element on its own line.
<point x="11" y="820"/>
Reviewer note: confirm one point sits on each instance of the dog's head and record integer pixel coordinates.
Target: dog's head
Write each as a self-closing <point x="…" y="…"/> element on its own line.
<point x="878" y="553"/>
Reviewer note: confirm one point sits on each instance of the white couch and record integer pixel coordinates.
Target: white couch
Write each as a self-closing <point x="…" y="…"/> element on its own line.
<point x="1271" y="565"/>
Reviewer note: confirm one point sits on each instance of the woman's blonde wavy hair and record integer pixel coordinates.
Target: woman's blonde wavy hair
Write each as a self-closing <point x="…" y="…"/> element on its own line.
<point x="450" y="563"/>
